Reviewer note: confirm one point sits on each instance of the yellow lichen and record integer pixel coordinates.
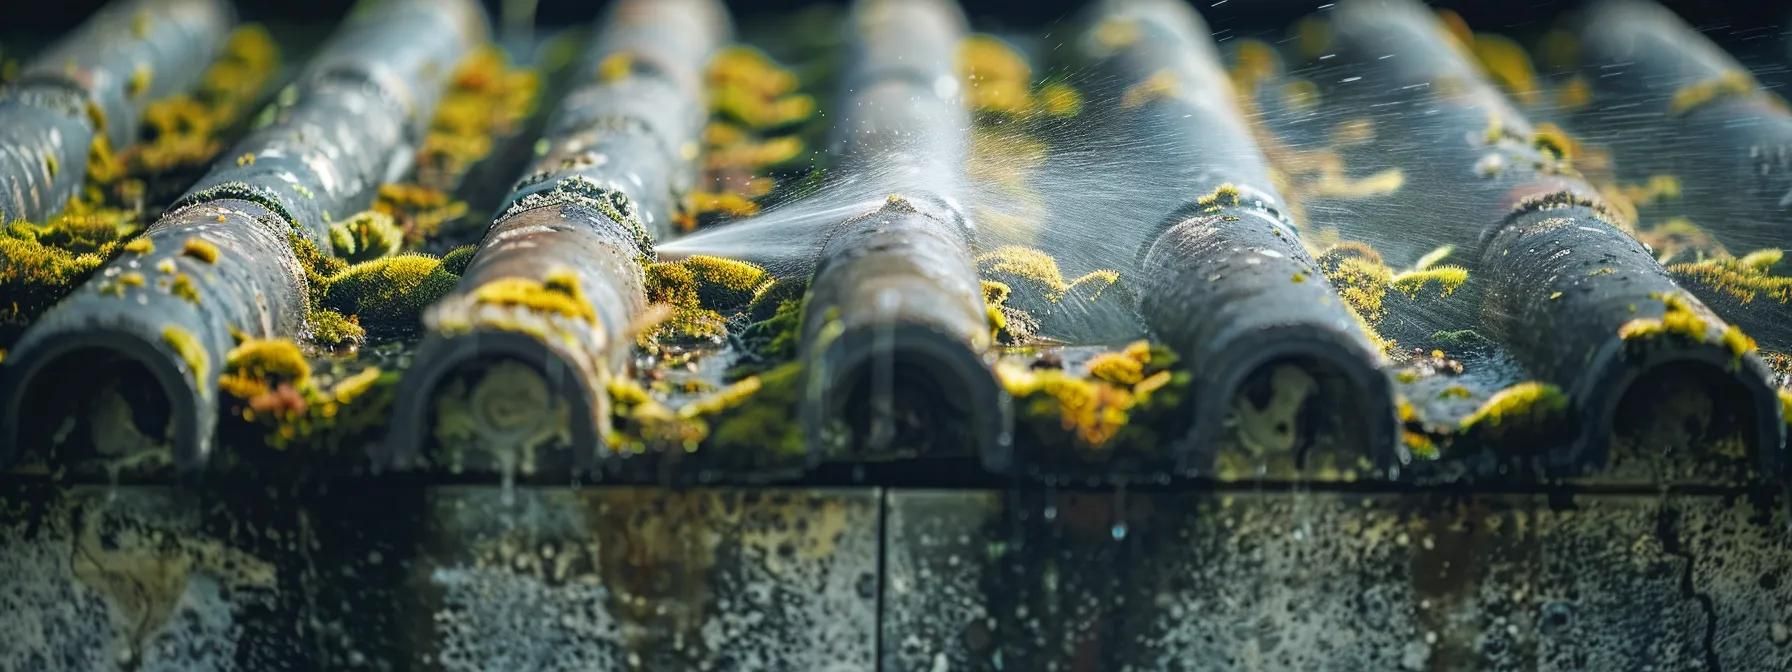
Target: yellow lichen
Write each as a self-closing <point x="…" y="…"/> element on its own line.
<point x="187" y="347"/>
<point x="748" y="87"/>
<point x="182" y="286"/>
<point x="255" y="365"/>
<point x="996" y="76"/>
<point x="558" y="293"/>
<point x="184" y="131"/>
<point x="199" y="248"/>
<point x="140" y="246"/>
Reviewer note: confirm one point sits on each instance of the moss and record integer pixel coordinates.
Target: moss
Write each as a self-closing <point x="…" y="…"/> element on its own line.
<point x="187" y="347"/>
<point x="185" y="131"/>
<point x="34" y="277"/>
<point x="331" y="329"/>
<point x="995" y="76"/>
<point x="199" y="248"/>
<point x="1786" y="406"/>
<point x="1744" y="280"/>
<point x="418" y="210"/>
<point x="1730" y="84"/>
<point x="1096" y="414"/>
<point x="255" y="366"/>
<point x="1681" y="322"/>
<point x="557" y="293"/>
<point x="1447" y="277"/>
<point x="317" y="266"/>
<point x="457" y="259"/>
<point x="1035" y="271"/>
<point x="1524" y="409"/>
<point x="776" y="338"/>
<point x="1508" y="64"/>
<point x="1360" y="279"/>
<point x="1433" y="257"/>
<point x="366" y="236"/>
<point x="182" y="286"/>
<point x="130" y="279"/>
<point x="486" y="97"/>
<point x="1225" y="195"/>
<point x="390" y="292"/>
<point x="140" y="246"/>
<point x="1657" y="189"/>
<point x="721" y="283"/>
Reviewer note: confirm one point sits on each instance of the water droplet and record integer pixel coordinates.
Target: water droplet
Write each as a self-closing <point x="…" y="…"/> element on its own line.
<point x="1119" y="531"/>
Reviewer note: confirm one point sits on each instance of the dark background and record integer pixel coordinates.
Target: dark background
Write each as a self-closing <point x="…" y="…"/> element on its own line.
<point x="36" y="17"/>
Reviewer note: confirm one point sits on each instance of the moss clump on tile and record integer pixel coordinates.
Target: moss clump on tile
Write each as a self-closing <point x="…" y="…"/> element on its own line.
<point x="694" y="293"/>
<point x="366" y="236"/>
<point x="1099" y="414"/>
<point x="1528" y="409"/>
<point x="186" y="132"/>
<point x="1742" y="280"/>
<point x="420" y="211"/>
<point x="1679" y="321"/>
<point x="457" y="259"/>
<point x="390" y="293"/>
<point x="272" y="389"/>
<point x="1024" y="268"/>
<point x="487" y="97"/>
<point x="333" y="330"/>
<point x="200" y="249"/>
<point x="1447" y="278"/>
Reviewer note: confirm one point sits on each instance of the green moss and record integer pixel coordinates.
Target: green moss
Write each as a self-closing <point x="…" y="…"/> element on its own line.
<point x="366" y="236"/>
<point x="1226" y="195"/>
<point x="457" y="259"/>
<point x="724" y="284"/>
<point x="317" y="266"/>
<point x="1526" y="409"/>
<point x="763" y="423"/>
<point x="1447" y="278"/>
<point x="331" y="329"/>
<point x="389" y="293"/>
<point x="1098" y="416"/>
<point x="187" y="347"/>
<point x="678" y="287"/>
